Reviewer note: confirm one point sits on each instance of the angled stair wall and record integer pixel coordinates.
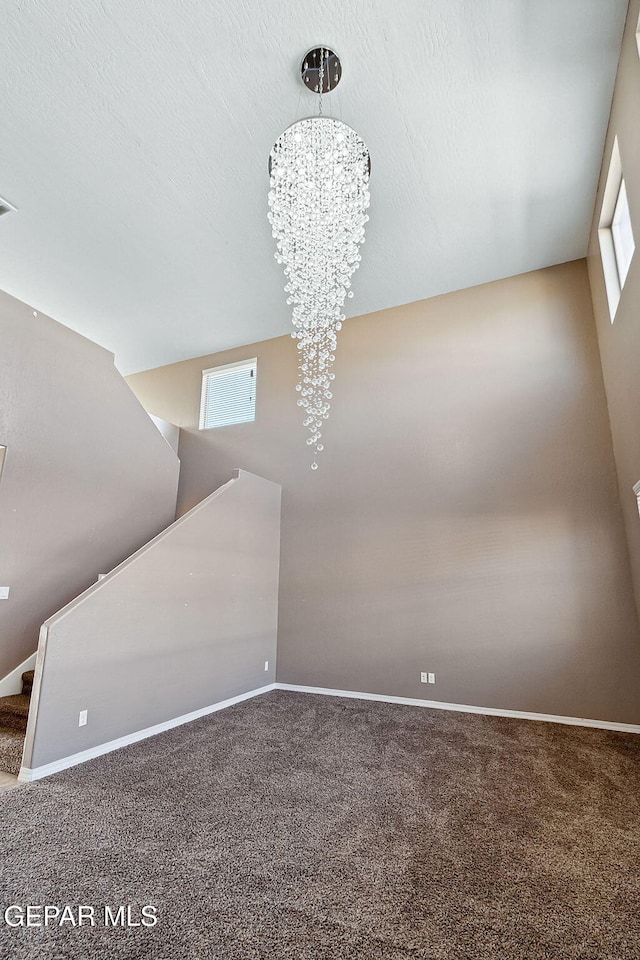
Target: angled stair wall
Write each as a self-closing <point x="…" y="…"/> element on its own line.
<point x="186" y="622"/>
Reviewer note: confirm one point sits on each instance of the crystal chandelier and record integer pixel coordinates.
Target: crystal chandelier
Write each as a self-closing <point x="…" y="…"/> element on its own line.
<point x="318" y="197"/>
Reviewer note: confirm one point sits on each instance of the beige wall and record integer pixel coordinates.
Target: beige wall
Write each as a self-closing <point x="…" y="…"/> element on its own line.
<point x="87" y="477"/>
<point x="187" y="622"/>
<point x="464" y="518"/>
<point x="620" y="341"/>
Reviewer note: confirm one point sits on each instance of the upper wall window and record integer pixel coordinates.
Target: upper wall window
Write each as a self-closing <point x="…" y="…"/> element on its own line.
<point x="623" y="242"/>
<point x="615" y="232"/>
<point x="228" y="394"/>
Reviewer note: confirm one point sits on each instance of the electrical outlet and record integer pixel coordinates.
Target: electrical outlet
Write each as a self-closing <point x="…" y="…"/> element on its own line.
<point x="423" y="678"/>
<point x="431" y="677"/>
<point x="82" y="719"/>
<point x="266" y="665"/>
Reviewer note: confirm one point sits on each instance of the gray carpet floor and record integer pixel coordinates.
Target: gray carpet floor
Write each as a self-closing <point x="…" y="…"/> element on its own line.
<point x="298" y="826"/>
<point x="11" y="745"/>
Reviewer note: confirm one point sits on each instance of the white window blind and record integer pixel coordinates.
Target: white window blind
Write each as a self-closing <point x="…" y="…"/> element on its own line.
<point x="228" y="394"/>
<point x="615" y="232"/>
<point x="623" y="242"/>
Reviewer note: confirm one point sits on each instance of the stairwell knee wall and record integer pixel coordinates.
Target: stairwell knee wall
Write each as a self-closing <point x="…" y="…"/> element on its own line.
<point x="187" y="622"/>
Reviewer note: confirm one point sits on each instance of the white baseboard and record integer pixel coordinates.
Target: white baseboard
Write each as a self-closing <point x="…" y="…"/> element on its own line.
<point x="27" y="774"/>
<point x="465" y="708"/>
<point x="12" y="683"/>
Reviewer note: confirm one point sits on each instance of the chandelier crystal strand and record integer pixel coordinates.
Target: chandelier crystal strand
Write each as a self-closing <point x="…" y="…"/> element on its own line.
<point x="317" y="209"/>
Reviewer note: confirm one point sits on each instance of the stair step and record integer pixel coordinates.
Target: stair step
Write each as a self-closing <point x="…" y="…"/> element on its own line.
<point x="14" y="712"/>
<point x="27" y="681"/>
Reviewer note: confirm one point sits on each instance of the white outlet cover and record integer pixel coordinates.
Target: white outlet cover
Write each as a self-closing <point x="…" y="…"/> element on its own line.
<point x="266" y="665"/>
<point x="423" y="678"/>
<point x="432" y="678"/>
<point x="82" y="719"/>
<point x="4" y="593"/>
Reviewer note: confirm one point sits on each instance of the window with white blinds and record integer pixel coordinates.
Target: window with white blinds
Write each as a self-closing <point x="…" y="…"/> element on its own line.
<point x="615" y="232"/>
<point x="622" y="231"/>
<point x="228" y="394"/>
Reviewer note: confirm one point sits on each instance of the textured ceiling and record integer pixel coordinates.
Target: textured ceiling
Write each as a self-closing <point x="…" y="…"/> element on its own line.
<point x="135" y="138"/>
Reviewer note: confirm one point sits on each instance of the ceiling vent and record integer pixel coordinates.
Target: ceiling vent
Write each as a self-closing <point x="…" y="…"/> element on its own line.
<point x="6" y="207"/>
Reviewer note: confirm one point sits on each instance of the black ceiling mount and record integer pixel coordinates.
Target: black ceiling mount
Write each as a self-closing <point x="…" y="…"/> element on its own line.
<point x="310" y="69"/>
